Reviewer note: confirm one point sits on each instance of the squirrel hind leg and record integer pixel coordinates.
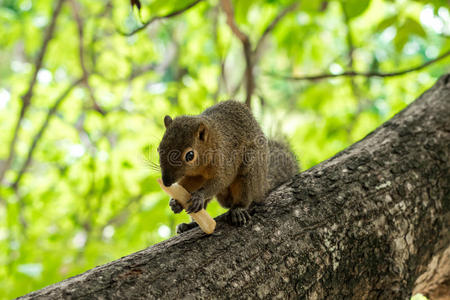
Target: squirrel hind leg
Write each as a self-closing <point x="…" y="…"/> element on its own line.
<point x="224" y="198"/>
<point x="244" y="190"/>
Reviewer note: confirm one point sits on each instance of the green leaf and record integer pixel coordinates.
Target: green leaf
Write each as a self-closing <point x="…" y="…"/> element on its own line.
<point x="386" y="23"/>
<point x="419" y="297"/>
<point x="355" y="8"/>
<point x="126" y="164"/>
<point x="413" y="27"/>
<point x="409" y="27"/>
<point x="312" y="6"/>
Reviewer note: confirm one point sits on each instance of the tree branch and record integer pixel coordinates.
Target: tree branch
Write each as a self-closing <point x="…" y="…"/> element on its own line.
<point x="41" y="131"/>
<point x="135" y="73"/>
<point x="167" y="16"/>
<point x="252" y="54"/>
<point x="272" y="25"/>
<point x="360" y="225"/>
<point x="81" y="52"/>
<point x="227" y="7"/>
<point x="364" y="74"/>
<point x="26" y="98"/>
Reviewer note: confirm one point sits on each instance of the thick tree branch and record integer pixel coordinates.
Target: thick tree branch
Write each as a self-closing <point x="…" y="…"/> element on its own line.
<point x="41" y="131"/>
<point x="364" y="74"/>
<point x="26" y="98"/>
<point x="167" y="16"/>
<point x="361" y="225"/>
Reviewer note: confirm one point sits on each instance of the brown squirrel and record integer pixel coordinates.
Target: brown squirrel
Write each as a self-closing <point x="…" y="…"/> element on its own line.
<point x="224" y="153"/>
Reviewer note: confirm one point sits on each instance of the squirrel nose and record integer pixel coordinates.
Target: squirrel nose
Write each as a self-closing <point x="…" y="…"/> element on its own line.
<point x="167" y="180"/>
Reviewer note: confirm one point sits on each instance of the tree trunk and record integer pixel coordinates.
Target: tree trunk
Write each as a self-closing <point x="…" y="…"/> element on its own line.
<point x="363" y="225"/>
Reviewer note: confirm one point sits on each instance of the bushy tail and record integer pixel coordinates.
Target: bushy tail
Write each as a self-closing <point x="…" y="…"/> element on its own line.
<point x="282" y="164"/>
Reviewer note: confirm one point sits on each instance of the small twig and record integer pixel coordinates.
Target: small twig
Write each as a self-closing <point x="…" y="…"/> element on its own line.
<point x="354" y="86"/>
<point x="349" y="37"/>
<point x="41" y="131"/>
<point x="364" y="74"/>
<point x="250" y="85"/>
<point x="251" y="56"/>
<point x="26" y="98"/>
<point x="169" y="15"/>
<point x="84" y="136"/>
<point x="81" y="52"/>
<point x="135" y="73"/>
<point x="122" y="214"/>
<point x="98" y="34"/>
<point x="221" y="79"/>
<point x="272" y="25"/>
<point x="227" y="7"/>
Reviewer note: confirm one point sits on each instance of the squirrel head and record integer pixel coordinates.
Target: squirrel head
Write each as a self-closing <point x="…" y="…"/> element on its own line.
<point x="182" y="148"/>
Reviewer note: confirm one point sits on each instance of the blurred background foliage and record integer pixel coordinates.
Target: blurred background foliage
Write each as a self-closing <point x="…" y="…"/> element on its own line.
<point x="76" y="188"/>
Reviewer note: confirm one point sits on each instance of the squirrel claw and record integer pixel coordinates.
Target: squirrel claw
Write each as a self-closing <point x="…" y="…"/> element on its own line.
<point x="175" y="206"/>
<point x="185" y="227"/>
<point x="238" y="216"/>
<point x="196" y="204"/>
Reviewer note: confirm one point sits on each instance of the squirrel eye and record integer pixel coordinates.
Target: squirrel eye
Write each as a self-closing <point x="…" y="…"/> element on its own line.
<point x="189" y="156"/>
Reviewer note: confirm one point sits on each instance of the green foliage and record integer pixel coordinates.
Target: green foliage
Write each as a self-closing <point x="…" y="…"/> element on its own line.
<point x="355" y="8"/>
<point x="419" y="297"/>
<point x="89" y="195"/>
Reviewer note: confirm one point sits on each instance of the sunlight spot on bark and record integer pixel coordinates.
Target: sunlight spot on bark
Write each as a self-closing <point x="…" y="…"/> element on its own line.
<point x="410" y="242"/>
<point x="409" y="186"/>
<point x="380" y="224"/>
<point x="383" y="185"/>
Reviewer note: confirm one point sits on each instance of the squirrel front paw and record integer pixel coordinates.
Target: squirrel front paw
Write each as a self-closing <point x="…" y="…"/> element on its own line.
<point x="238" y="216"/>
<point x="195" y="203"/>
<point x="175" y="206"/>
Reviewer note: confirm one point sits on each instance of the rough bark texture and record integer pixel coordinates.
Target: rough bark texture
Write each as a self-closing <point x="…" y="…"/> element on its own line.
<point x="363" y="225"/>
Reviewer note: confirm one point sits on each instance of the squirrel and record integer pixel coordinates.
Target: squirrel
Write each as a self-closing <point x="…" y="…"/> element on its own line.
<point x="222" y="152"/>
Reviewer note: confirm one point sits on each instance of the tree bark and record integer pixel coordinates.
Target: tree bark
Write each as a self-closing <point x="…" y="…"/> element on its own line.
<point x="362" y="225"/>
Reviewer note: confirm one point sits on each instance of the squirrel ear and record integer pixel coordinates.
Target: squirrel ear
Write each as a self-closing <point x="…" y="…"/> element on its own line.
<point x="167" y="121"/>
<point x="202" y="132"/>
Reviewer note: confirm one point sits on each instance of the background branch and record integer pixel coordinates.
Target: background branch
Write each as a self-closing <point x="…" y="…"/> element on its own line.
<point x="227" y="7"/>
<point x="272" y="26"/>
<point x="81" y="52"/>
<point x="354" y="86"/>
<point x="251" y="56"/>
<point x="41" y="131"/>
<point x="135" y="73"/>
<point x="167" y="16"/>
<point x="364" y="74"/>
<point x="26" y="98"/>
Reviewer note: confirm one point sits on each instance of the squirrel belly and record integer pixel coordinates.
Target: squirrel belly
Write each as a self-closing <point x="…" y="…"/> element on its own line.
<point x="224" y="153"/>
